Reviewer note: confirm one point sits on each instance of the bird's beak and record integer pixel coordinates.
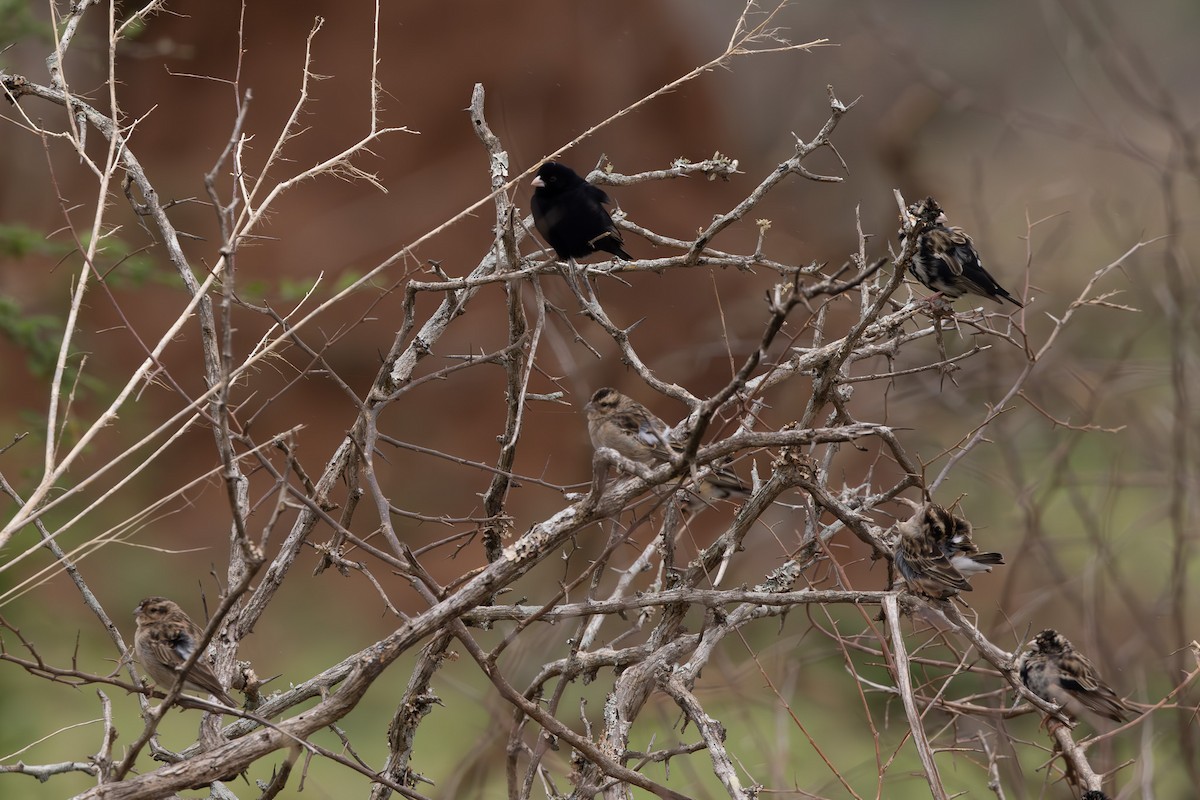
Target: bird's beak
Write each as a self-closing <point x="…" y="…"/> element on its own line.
<point x="537" y="183"/>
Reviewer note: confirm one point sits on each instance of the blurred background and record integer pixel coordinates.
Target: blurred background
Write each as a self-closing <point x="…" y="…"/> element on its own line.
<point x="1060" y="134"/>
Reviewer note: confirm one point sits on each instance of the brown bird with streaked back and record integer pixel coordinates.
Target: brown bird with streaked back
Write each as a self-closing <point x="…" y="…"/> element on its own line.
<point x="935" y="553"/>
<point x="166" y="638"/>
<point x="946" y="261"/>
<point x="627" y="426"/>
<point x="1055" y="671"/>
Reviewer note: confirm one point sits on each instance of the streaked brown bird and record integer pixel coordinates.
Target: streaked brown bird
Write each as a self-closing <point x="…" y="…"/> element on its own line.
<point x="617" y="421"/>
<point x="936" y="554"/>
<point x="1055" y="671"/>
<point x="166" y="638"/>
<point x="946" y="261"/>
<point x="570" y="215"/>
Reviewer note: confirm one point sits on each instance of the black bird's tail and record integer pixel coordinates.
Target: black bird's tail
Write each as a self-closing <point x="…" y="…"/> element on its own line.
<point x="610" y="242"/>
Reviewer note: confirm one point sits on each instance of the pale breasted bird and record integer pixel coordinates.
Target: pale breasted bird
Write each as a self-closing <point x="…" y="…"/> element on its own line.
<point x="936" y="554"/>
<point x="570" y="215"/>
<point x="617" y="421"/>
<point x="166" y="638"/>
<point x="946" y="261"/>
<point x="1055" y="671"/>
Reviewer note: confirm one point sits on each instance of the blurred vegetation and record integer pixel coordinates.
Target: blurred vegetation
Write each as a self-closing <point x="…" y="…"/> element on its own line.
<point x="18" y="22"/>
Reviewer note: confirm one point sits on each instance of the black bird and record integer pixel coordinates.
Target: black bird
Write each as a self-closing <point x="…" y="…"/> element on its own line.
<point x="569" y="214"/>
<point x="935" y="553"/>
<point x="1055" y="671"/>
<point x="946" y="261"/>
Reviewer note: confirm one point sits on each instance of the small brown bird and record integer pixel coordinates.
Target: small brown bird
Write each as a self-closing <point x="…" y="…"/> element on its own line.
<point x="627" y="426"/>
<point x="166" y="638"/>
<point x="953" y="535"/>
<point x="935" y="553"/>
<point x="1053" y="670"/>
<point x="946" y="261"/>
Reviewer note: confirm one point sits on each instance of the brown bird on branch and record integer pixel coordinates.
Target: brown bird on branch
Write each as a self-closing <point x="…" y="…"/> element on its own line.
<point x="1056" y="672"/>
<point x="946" y="261"/>
<point x="935" y="553"/>
<point x="166" y="638"/>
<point x="625" y="425"/>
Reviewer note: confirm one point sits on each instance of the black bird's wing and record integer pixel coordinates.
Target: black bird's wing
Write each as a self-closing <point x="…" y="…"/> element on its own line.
<point x="598" y="195"/>
<point x="609" y="239"/>
<point x="575" y="223"/>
